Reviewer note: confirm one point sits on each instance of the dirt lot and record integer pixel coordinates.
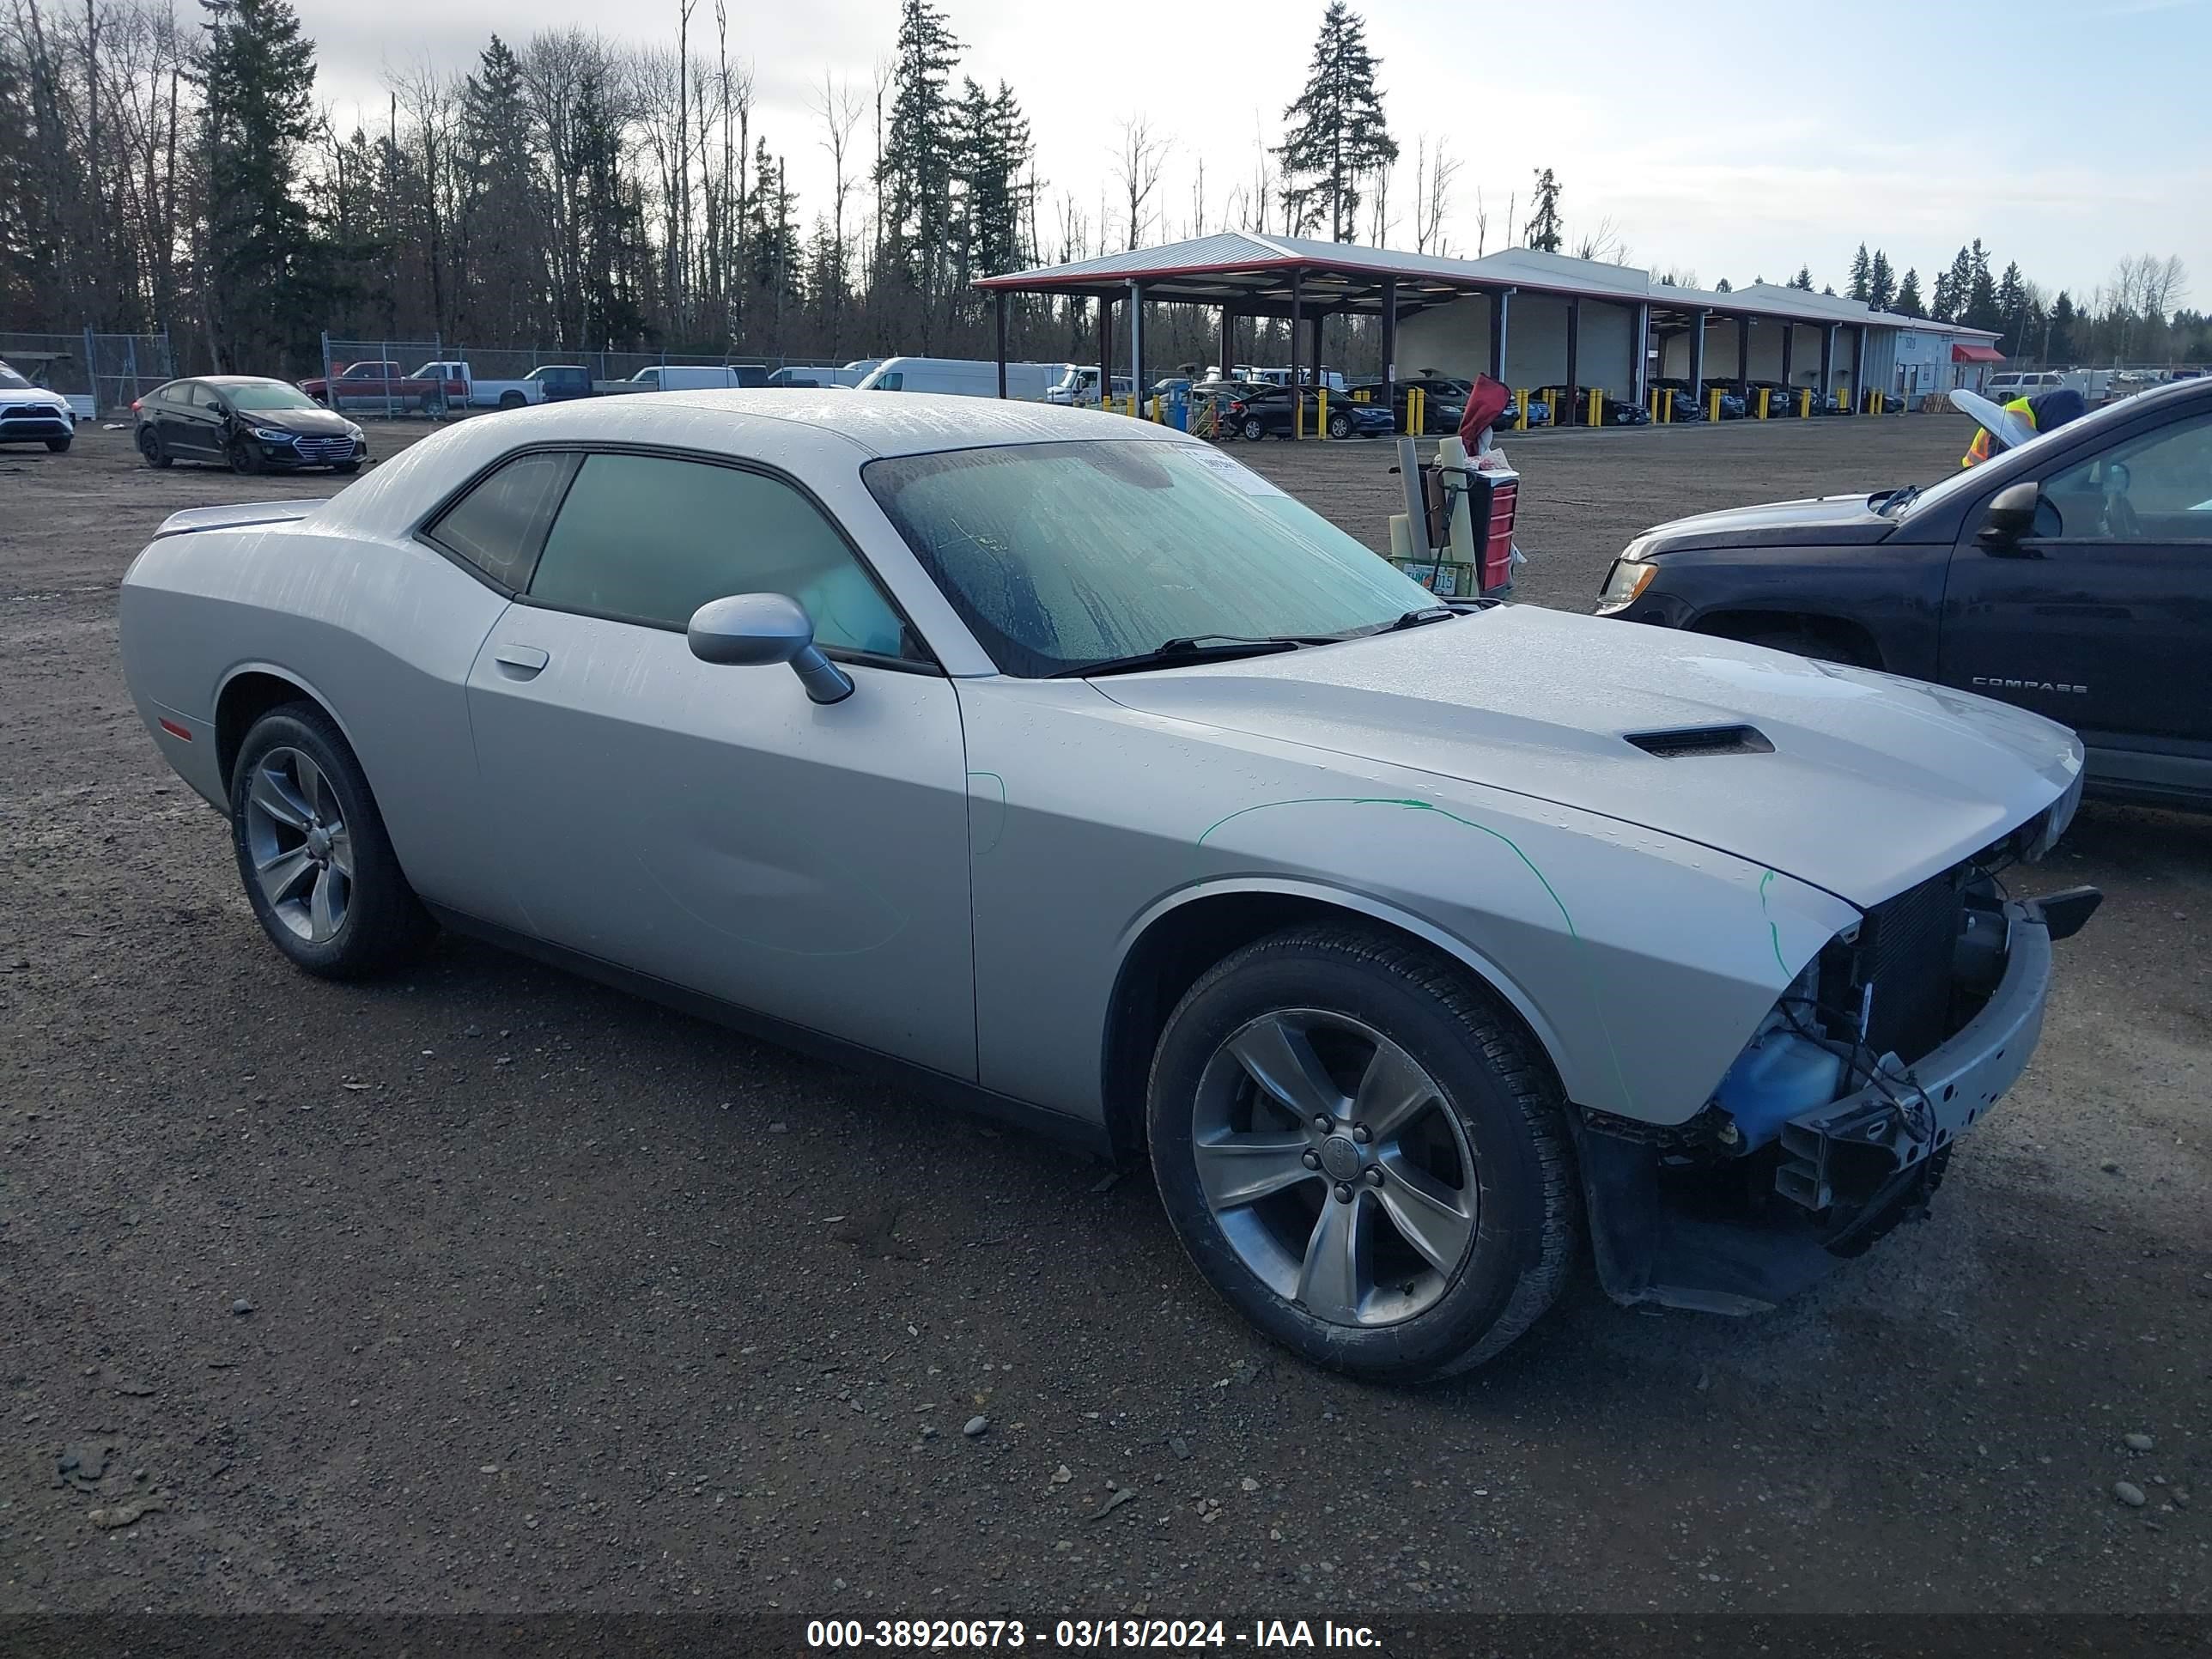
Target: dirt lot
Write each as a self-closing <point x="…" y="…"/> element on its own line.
<point x="556" y="1300"/>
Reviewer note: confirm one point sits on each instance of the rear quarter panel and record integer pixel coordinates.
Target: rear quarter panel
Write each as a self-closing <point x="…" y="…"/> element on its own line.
<point x="380" y="633"/>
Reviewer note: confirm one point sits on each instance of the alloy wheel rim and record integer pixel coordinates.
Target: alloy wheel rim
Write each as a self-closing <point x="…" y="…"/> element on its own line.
<point x="301" y="849"/>
<point x="1333" y="1168"/>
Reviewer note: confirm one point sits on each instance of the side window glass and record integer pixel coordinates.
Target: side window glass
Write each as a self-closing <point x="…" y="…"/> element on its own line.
<point x="644" y="538"/>
<point x="203" y="396"/>
<point x="2157" y="486"/>
<point x="500" y="525"/>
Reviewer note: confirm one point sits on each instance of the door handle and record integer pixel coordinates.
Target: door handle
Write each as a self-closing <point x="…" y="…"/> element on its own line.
<point x="520" y="662"/>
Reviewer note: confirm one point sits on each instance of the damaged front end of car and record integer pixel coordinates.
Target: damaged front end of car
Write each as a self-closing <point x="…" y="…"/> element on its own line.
<point x="1836" y="1120"/>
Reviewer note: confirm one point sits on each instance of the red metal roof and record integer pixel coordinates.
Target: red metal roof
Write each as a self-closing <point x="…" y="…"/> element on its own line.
<point x="1976" y="354"/>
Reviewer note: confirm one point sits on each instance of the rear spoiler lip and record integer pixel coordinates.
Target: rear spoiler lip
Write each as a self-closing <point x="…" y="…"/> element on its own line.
<point x="246" y="514"/>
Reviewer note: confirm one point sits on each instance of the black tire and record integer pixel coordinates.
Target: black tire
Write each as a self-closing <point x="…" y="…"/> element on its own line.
<point x="151" y="446"/>
<point x="383" y="924"/>
<point x="1253" y="429"/>
<point x="346" y="469"/>
<point x="245" y="458"/>
<point x="512" y="400"/>
<point x="1526" y="1229"/>
<point x="59" y="446"/>
<point x="1340" y="426"/>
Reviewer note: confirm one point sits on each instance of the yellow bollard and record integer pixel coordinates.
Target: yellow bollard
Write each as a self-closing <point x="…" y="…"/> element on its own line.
<point x="1805" y="405"/>
<point x="1765" y="393"/>
<point x="1552" y="407"/>
<point x="1713" y="406"/>
<point x="1521" y="410"/>
<point x="1596" y="407"/>
<point x="1320" y="411"/>
<point x="1417" y="411"/>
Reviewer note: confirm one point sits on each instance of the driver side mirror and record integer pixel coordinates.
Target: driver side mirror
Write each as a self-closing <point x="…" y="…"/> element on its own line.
<point x="749" y="628"/>
<point x="2009" y="516"/>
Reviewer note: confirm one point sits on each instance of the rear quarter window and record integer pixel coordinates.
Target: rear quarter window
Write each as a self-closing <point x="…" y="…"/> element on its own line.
<point x="498" y="528"/>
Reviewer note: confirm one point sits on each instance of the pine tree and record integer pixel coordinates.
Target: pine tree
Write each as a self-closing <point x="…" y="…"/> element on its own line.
<point x="914" y="173"/>
<point x="1862" y="274"/>
<point x="20" y="264"/>
<point x="1881" y="282"/>
<point x="1803" y="279"/>
<point x="501" y="222"/>
<point x="1908" y="302"/>
<point x="261" y="272"/>
<point x="1338" y="135"/>
<point x="1545" y="230"/>
<point x="1981" y="309"/>
<point x="1953" y="287"/>
<point x="992" y="150"/>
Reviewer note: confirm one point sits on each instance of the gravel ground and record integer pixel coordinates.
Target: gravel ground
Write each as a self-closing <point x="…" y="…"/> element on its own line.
<point x="488" y="1289"/>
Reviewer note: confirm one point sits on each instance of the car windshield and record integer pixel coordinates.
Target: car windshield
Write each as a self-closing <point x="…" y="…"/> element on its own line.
<point x="9" y="377"/>
<point x="267" y="394"/>
<point x="1920" y="500"/>
<point x="1065" y="555"/>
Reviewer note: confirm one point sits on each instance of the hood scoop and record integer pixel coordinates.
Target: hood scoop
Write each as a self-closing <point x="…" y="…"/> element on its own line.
<point x="1685" y="741"/>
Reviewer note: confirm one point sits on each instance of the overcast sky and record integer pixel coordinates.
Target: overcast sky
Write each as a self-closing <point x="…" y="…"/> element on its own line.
<point x="1722" y="139"/>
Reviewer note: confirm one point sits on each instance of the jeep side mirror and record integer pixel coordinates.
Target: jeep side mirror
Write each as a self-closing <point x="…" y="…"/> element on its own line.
<point x="2009" y="516"/>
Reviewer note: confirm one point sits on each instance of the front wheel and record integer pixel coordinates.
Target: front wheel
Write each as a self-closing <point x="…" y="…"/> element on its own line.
<point x="59" y="446"/>
<point x="245" y="457"/>
<point x="345" y="469"/>
<point x="1362" y="1154"/>
<point x="318" y="868"/>
<point x="1340" y="426"/>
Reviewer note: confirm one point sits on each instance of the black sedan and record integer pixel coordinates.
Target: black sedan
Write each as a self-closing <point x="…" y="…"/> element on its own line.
<point x="1574" y="407"/>
<point x="1689" y="404"/>
<point x="2071" y="575"/>
<point x="248" y="423"/>
<point x="1266" y="413"/>
<point x="1445" y="401"/>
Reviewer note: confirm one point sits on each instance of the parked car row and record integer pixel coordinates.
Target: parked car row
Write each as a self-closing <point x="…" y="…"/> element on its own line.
<point x="452" y="384"/>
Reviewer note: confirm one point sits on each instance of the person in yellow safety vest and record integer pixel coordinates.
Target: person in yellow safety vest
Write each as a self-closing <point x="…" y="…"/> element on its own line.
<point x="2047" y="411"/>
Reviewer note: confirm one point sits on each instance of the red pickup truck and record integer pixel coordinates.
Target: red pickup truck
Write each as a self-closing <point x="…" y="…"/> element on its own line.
<point x="384" y="386"/>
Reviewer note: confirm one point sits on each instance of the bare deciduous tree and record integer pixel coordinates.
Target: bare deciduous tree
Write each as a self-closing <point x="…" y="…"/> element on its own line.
<point x="1138" y="164"/>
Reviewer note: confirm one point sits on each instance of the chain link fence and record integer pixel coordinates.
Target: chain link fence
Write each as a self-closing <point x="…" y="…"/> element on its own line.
<point x="99" y="373"/>
<point x="434" y="378"/>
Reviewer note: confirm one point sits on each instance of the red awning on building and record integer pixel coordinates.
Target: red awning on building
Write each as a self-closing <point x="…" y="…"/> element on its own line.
<point x="1976" y="354"/>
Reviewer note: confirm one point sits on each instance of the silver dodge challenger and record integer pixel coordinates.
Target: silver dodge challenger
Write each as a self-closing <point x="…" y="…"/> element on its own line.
<point x="1074" y="770"/>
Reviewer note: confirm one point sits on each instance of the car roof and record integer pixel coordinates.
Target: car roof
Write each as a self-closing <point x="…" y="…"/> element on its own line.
<point x="236" y="379"/>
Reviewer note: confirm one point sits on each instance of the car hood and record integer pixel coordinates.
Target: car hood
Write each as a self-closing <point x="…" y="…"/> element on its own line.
<point x="1873" y="783"/>
<point x="32" y="394"/>
<point x="308" y="422"/>
<point x="1822" y="520"/>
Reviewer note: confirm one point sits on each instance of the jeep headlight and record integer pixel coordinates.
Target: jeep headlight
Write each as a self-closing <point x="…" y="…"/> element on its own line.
<point x="1630" y="575"/>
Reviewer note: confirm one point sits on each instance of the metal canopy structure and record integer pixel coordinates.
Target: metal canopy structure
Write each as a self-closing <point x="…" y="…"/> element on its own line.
<point x="1242" y="274"/>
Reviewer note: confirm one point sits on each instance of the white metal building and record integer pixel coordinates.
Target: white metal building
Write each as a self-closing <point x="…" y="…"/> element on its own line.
<point x="1529" y="318"/>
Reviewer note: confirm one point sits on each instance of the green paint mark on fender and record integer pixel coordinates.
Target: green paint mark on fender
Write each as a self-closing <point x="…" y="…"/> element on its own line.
<point x="1773" y="929"/>
<point x="1597" y="1006"/>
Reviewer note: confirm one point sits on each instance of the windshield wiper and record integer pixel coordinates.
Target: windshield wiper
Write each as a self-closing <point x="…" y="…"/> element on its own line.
<point x="1197" y="648"/>
<point x="1427" y="613"/>
<point x="1895" y="501"/>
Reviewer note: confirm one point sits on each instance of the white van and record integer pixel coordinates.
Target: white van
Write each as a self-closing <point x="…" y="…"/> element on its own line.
<point x="692" y="377"/>
<point x="964" y="377"/>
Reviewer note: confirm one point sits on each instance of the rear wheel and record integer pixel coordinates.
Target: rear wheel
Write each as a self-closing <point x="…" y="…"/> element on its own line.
<point x="1253" y="430"/>
<point x="1362" y="1155"/>
<point x="512" y="400"/>
<point x="151" y="446"/>
<point x="316" y="866"/>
